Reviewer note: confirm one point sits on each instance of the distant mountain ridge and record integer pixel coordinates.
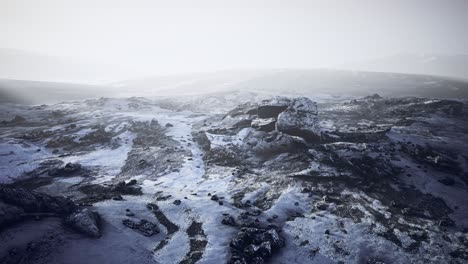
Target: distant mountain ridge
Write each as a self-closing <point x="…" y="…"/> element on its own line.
<point x="449" y="65"/>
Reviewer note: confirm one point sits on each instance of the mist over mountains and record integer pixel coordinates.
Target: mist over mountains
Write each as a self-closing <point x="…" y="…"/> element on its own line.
<point x="449" y="65"/>
<point x="33" y="66"/>
<point x="55" y="79"/>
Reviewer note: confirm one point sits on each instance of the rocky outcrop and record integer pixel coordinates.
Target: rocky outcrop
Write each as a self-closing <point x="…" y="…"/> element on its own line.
<point x="202" y="139"/>
<point x="100" y="135"/>
<point x="84" y="221"/>
<point x="96" y="192"/>
<point x="272" y="109"/>
<point x="145" y="227"/>
<point x="35" y="202"/>
<point x="67" y="170"/>
<point x="295" y="117"/>
<point x="16" y="203"/>
<point x="255" y="245"/>
<point x="17" y="120"/>
<point x="300" y="119"/>
<point x="228" y="220"/>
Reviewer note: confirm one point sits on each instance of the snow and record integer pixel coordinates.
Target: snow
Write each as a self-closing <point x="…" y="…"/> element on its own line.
<point x="22" y="160"/>
<point x="110" y="160"/>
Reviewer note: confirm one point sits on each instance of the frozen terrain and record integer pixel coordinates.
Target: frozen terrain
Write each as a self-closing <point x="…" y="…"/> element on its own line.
<point x="235" y="178"/>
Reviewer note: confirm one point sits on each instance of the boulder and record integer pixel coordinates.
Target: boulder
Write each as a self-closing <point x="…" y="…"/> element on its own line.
<point x="272" y="108"/>
<point x="146" y="227"/>
<point x="124" y="188"/>
<point x="85" y="221"/>
<point x="255" y="245"/>
<point x="271" y="111"/>
<point x="300" y="119"/>
<point x="202" y="139"/>
<point x="228" y="220"/>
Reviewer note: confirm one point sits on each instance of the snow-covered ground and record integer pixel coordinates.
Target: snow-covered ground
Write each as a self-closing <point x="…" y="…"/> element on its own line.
<point x="326" y="199"/>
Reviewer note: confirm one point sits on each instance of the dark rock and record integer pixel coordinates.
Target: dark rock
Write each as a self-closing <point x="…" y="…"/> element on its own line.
<point x="67" y="170"/>
<point x="228" y="220"/>
<point x="177" y="202"/>
<point x="123" y="188"/>
<point x="321" y="206"/>
<point x="243" y="123"/>
<point x="373" y="97"/>
<point x="169" y="125"/>
<point x="266" y="124"/>
<point x="85" y="221"/>
<point x="214" y="198"/>
<point x="446" y="222"/>
<point x="100" y="136"/>
<point x="447" y="181"/>
<point x="129" y="214"/>
<point x="35" y="202"/>
<point x="146" y="227"/>
<point x="270" y="110"/>
<point x="255" y="245"/>
<point x="202" y="140"/>
<point x="118" y="197"/>
<point x="224" y="156"/>
<point x="131" y="182"/>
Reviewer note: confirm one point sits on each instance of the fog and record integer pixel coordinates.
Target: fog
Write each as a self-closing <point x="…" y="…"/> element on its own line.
<point x="167" y="37"/>
<point x="124" y="43"/>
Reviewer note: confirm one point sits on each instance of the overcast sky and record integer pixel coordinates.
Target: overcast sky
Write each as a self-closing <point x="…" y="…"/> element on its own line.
<point x="191" y="36"/>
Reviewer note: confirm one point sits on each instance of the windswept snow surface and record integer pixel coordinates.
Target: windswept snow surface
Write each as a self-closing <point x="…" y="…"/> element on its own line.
<point x="352" y="198"/>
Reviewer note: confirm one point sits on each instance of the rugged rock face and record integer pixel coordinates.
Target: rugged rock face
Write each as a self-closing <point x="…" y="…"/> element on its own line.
<point x="95" y="192"/>
<point x="15" y="204"/>
<point x="35" y="202"/>
<point x="296" y="117"/>
<point x="84" y="221"/>
<point x="255" y="245"/>
<point x="67" y="170"/>
<point x="300" y="119"/>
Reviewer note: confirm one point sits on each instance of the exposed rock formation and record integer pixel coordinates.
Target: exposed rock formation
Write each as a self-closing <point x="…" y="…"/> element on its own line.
<point x="84" y="221"/>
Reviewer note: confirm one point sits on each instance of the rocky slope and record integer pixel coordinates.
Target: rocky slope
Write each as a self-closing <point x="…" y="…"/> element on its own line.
<point x="230" y="180"/>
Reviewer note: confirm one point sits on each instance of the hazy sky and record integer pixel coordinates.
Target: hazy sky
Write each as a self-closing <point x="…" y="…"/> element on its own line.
<point x="186" y="36"/>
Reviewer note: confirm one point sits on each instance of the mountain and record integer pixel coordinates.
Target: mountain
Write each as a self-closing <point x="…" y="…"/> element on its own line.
<point x="26" y="65"/>
<point x="450" y="65"/>
<point x="310" y="82"/>
<point x="34" y="92"/>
